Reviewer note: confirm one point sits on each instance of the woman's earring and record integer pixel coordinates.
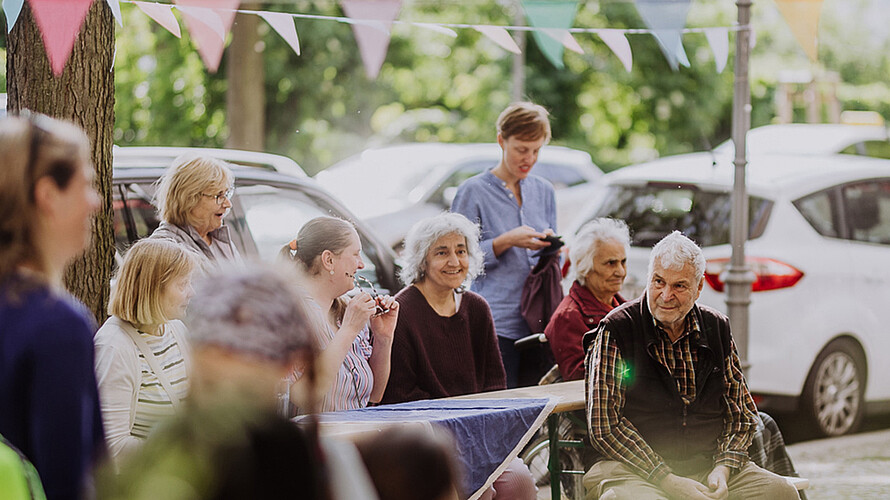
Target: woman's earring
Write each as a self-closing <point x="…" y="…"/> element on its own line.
<point x="332" y="272"/>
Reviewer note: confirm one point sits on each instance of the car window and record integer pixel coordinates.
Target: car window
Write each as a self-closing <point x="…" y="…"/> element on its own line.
<point x="819" y="210"/>
<point x="274" y="216"/>
<point x="867" y="209"/>
<point x="134" y="215"/>
<point x="876" y="149"/>
<point x="559" y="175"/>
<point x="654" y="210"/>
<point x="444" y="194"/>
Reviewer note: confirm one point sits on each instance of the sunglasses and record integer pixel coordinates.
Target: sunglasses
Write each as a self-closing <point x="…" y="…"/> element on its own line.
<point x="357" y="280"/>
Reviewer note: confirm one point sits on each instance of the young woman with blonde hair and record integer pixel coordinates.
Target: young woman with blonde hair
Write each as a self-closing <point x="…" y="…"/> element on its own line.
<point x="142" y="359"/>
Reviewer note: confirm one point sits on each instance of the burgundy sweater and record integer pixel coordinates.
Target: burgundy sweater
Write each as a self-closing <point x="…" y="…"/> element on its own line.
<point x="435" y="356"/>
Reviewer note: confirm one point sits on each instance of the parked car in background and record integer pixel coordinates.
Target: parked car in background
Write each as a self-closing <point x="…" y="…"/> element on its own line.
<point x="815" y="139"/>
<point x="391" y="188"/>
<point x="819" y="245"/>
<point x="272" y="200"/>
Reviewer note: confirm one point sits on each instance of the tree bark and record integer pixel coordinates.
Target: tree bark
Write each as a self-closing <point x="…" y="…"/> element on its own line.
<point x="83" y="94"/>
<point x="245" y="95"/>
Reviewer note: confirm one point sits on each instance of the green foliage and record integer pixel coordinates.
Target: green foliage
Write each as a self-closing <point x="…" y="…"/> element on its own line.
<point x="320" y="106"/>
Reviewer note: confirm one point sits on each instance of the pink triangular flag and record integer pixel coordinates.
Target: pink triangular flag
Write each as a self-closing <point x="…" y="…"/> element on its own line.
<point x="802" y="17"/>
<point x="283" y="24"/>
<point x="499" y="36"/>
<point x="617" y="42"/>
<point x="372" y="41"/>
<point x="203" y="19"/>
<point x="565" y="38"/>
<point x="59" y="21"/>
<point x="162" y="14"/>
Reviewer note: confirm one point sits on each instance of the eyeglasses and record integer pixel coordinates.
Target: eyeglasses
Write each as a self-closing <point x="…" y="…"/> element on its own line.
<point x="357" y="279"/>
<point x="218" y="198"/>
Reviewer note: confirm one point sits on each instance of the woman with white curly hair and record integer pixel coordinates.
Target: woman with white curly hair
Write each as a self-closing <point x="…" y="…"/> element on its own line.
<point x="445" y="342"/>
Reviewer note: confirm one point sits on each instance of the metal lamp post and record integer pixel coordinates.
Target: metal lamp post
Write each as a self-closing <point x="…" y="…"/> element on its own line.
<point x="738" y="276"/>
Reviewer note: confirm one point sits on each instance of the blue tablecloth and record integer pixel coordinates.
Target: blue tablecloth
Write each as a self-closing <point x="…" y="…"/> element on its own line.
<point x="487" y="431"/>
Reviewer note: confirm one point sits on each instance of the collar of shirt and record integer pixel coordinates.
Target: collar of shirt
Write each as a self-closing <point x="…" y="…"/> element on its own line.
<point x="692" y="328"/>
<point x="588" y="304"/>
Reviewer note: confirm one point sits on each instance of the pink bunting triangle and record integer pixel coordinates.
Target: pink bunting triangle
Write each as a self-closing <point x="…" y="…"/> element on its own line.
<point x="499" y="36"/>
<point x="59" y="22"/>
<point x="802" y="17"/>
<point x="617" y="41"/>
<point x="208" y="22"/>
<point x="283" y="24"/>
<point x="372" y="20"/>
<point x="162" y="14"/>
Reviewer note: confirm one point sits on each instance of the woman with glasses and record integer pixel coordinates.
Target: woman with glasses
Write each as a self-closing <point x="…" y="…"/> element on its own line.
<point x="356" y="333"/>
<point x="445" y="343"/>
<point x="193" y="197"/>
<point x="142" y="357"/>
<point x="49" y="404"/>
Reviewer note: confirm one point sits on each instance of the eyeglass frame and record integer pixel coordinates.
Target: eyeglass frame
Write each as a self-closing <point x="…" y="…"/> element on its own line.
<point x="227" y="194"/>
<point x="374" y="293"/>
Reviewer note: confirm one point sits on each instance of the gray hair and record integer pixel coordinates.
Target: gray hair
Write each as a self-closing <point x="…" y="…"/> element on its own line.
<point x="582" y="253"/>
<point x="675" y="251"/>
<point x="424" y="233"/>
<point x="256" y="310"/>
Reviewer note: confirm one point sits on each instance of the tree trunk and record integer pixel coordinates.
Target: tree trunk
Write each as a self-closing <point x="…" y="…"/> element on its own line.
<point x="83" y="94"/>
<point x="245" y="96"/>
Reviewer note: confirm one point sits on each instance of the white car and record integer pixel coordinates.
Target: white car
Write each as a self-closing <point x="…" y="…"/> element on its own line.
<point x="819" y="243"/>
<point x="391" y="188"/>
<point x="814" y="139"/>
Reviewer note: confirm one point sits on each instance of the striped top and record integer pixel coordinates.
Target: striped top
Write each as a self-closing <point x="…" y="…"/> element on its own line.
<point x="152" y="402"/>
<point x="352" y="387"/>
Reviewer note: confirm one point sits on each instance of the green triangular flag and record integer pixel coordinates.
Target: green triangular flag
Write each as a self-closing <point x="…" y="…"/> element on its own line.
<point x="555" y="14"/>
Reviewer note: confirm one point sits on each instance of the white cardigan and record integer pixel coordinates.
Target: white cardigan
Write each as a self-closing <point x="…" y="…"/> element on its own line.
<point x="119" y="376"/>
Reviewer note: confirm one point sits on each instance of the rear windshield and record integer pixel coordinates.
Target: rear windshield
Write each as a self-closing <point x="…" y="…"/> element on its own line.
<point x="654" y="210"/>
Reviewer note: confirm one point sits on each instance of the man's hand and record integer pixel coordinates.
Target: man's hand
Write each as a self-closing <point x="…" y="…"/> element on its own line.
<point x="683" y="488"/>
<point x="717" y="480"/>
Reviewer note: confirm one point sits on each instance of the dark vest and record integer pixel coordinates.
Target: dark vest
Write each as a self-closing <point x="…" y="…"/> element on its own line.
<point x="685" y="436"/>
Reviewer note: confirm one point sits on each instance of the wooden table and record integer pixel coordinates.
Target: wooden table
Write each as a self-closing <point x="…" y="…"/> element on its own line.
<point x="570" y="397"/>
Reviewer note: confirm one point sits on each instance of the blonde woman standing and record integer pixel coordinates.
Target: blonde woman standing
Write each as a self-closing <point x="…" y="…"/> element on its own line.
<point x="142" y="359"/>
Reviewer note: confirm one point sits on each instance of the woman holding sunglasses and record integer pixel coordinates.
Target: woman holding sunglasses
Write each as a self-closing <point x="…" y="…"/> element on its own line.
<point x="193" y="197"/>
<point x="356" y="333"/>
<point x="49" y="404"/>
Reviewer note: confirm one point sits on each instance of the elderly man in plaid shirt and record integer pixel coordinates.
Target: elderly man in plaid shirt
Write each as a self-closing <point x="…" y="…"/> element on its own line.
<point x="668" y="410"/>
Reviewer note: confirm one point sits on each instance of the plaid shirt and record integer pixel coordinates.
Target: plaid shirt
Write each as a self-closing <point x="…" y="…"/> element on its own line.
<point x="616" y="436"/>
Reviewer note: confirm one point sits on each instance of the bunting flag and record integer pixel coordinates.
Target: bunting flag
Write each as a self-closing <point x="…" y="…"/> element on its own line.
<point x="162" y="14"/>
<point x="208" y="22"/>
<point x="12" y="9"/>
<point x="116" y="11"/>
<point x="372" y="40"/>
<point x="438" y="29"/>
<point x="283" y="24"/>
<point x="618" y="44"/>
<point x="552" y="15"/>
<point x="666" y="19"/>
<point x="565" y="38"/>
<point x="59" y="22"/>
<point x="718" y="39"/>
<point x="500" y="36"/>
<point x="802" y="17"/>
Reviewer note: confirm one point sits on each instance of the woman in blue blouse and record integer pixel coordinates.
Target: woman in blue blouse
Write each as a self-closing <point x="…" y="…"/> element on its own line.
<point x="515" y="210"/>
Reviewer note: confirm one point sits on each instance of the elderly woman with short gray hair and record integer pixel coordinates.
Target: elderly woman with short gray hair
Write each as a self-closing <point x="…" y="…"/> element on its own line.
<point x="445" y="343"/>
<point x="193" y="197"/>
<point x="599" y="265"/>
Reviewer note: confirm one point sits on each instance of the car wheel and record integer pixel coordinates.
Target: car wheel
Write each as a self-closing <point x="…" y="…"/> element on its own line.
<point x="833" y="397"/>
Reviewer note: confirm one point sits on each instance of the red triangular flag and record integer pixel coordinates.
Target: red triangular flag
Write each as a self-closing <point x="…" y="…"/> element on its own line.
<point x="59" y="21"/>
<point x="203" y="19"/>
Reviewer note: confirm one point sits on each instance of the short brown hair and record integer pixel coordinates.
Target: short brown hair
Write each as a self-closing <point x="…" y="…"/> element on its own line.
<point x="524" y="120"/>
<point x="180" y="188"/>
<point x="148" y="267"/>
<point x="31" y="148"/>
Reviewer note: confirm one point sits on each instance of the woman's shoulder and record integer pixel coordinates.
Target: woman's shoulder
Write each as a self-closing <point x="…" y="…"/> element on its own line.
<point x="112" y="333"/>
<point x="475" y="303"/>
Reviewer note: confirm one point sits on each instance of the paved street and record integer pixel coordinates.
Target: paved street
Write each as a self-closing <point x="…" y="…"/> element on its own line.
<point x="848" y="467"/>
